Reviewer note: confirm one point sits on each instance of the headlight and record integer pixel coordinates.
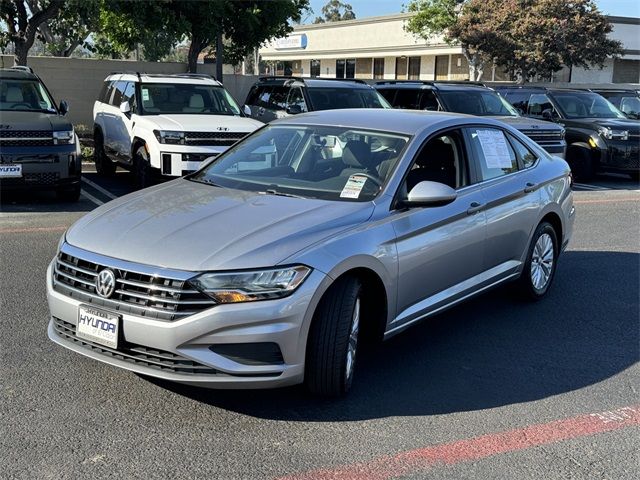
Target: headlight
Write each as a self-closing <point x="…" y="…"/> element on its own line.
<point x="169" y="137"/>
<point x="610" y="134"/>
<point x="249" y="286"/>
<point x="64" y="137"/>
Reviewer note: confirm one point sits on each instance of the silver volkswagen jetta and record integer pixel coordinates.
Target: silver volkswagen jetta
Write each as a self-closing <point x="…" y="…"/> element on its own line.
<point x="268" y="266"/>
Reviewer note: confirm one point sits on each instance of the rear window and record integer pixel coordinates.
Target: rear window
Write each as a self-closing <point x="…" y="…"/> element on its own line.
<point x="334" y="98"/>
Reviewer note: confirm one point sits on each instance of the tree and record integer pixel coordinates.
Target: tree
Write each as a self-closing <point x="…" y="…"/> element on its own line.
<point x="22" y="24"/>
<point x="244" y="24"/>
<point x="548" y="34"/>
<point x="528" y="37"/>
<point x="456" y="22"/>
<point x="70" y="28"/>
<point x="336" y="11"/>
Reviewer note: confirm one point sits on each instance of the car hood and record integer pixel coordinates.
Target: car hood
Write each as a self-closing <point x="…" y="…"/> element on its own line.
<point x="204" y="123"/>
<point x="36" y="121"/>
<point x="192" y="226"/>
<point x="524" y="123"/>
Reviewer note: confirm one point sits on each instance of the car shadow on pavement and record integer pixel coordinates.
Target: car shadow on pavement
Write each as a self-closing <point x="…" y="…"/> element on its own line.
<point x="40" y="202"/>
<point x="493" y="351"/>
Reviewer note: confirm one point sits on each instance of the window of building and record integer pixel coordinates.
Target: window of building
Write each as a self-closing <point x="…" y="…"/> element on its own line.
<point x="350" y="69"/>
<point x="442" y="67"/>
<point x="414" y="68"/>
<point x="626" y="71"/>
<point x="315" y="68"/>
<point x="340" y="68"/>
<point x="401" y="68"/>
<point x="378" y="68"/>
<point x="364" y="67"/>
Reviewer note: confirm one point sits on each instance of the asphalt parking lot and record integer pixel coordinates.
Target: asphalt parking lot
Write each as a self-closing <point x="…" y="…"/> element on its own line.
<point x="493" y="389"/>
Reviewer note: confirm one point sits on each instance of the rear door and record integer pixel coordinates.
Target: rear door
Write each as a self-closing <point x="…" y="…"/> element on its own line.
<point x="511" y="198"/>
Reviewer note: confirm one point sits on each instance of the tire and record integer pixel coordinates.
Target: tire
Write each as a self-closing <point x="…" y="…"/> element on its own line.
<point x="582" y="163"/>
<point x="69" y="194"/>
<point x="142" y="168"/>
<point x="535" y="280"/>
<point x="333" y="339"/>
<point x="104" y="166"/>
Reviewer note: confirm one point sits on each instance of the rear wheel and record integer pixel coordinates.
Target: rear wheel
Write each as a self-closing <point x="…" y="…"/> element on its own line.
<point x="104" y="166"/>
<point x="333" y="339"/>
<point x="540" y="266"/>
<point x="142" y="168"/>
<point x="582" y="163"/>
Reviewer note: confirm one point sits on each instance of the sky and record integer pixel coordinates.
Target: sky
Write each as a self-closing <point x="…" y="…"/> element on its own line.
<point x="372" y="8"/>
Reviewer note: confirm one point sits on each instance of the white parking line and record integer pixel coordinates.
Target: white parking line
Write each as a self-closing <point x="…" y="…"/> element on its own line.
<point x="99" y="188"/>
<point x="591" y="187"/>
<point x="92" y="198"/>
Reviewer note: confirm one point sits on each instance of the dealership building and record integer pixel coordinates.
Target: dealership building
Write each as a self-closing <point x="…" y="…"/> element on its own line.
<point x="380" y="48"/>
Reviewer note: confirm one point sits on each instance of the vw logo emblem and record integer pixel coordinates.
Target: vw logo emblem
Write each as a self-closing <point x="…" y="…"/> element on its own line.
<point x="105" y="283"/>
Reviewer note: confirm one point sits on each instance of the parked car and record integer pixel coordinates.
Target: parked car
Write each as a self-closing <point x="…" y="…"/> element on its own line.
<point x="279" y="97"/>
<point x="269" y="266"/>
<point x="38" y="146"/>
<point x="599" y="136"/>
<point x="164" y="125"/>
<point x="626" y="100"/>
<point x="473" y="99"/>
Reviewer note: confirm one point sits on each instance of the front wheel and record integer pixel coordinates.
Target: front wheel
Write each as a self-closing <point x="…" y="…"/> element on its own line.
<point x="582" y="163"/>
<point x="142" y="168"/>
<point x="540" y="266"/>
<point x="333" y="339"/>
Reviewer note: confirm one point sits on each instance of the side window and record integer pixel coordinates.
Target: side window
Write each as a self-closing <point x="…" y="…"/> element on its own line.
<point x="388" y="94"/>
<point x="520" y="100"/>
<point x="278" y="98"/>
<point x="296" y="97"/>
<point x="440" y="159"/>
<point x="429" y="101"/>
<point x="130" y="95"/>
<point x="118" y="93"/>
<point x="109" y="91"/>
<point x="253" y="98"/>
<point x="522" y="152"/>
<point x="102" y="97"/>
<point x="408" y="98"/>
<point x="538" y="103"/>
<point x="495" y="156"/>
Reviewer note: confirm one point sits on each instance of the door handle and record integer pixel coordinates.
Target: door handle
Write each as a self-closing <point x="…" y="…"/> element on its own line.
<point x="530" y="187"/>
<point x="475" y="207"/>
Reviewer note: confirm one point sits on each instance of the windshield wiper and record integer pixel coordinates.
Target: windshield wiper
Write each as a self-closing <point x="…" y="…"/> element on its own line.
<point x="203" y="180"/>
<point x="272" y="191"/>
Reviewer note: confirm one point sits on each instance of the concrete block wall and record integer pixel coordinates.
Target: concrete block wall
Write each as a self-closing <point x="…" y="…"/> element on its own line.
<point x="78" y="80"/>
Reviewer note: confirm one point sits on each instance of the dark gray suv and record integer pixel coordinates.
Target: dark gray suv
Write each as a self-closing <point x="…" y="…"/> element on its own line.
<point x="38" y="146"/>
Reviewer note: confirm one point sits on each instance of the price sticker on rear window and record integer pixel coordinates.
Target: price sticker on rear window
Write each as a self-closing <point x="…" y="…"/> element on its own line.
<point x="353" y="187"/>
<point x="145" y="94"/>
<point x="494" y="148"/>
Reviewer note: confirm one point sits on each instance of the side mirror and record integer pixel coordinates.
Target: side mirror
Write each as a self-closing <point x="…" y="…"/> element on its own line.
<point x="294" y="109"/>
<point x="64" y="107"/>
<point x="549" y="114"/>
<point x="430" y="194"/>
<point x="247" y="110"/>
<point x="125" y="107"/>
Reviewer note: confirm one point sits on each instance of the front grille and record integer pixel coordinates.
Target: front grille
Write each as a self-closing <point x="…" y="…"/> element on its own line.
<point x="213" y="138"/>
<point x="139" y="294"/>
<point x="25" y="138"/>
<point x="45" y="178"/>
<point x="543" y="137"/>
<point x="136" y="354"/>
<point x="624" y="155"/>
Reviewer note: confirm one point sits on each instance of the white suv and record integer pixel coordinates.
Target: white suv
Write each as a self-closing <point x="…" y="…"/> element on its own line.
<point x="164" y="124"/>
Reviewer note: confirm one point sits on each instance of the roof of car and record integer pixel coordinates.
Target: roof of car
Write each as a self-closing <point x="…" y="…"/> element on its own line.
<point x="188" y="78"/>
<point x="17" y="74"/>
<point x="615" y="90"/>
<point x="537" y="88"/>
<point x="428" y="84"/>
<point x="408" y="122"/>
<point x="314" y="82"/>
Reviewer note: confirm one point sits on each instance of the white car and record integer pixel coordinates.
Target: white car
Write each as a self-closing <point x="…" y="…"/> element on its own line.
<point x="164" y="124"/>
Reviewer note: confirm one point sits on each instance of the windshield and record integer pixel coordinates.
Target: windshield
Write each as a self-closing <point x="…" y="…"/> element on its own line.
<point x="477" y="102"/>
<point x="333" y="98"/>
<point x="630" y="106"/>
<point x="25" y="95"/>
<point x="585" y="105"/>
<point x="184" y="98"/>
<point x="331" y="163"/>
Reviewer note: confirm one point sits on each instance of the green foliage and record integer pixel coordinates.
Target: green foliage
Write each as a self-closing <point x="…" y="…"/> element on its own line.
<point x="432" y="17"/>
<point x="336" y="11"/>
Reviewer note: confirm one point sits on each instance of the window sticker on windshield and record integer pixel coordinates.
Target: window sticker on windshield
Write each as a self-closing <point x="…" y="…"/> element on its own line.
<point x="494" y="148"/>
<point x="353" y="187"/>
<point x="145" y="94"/>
